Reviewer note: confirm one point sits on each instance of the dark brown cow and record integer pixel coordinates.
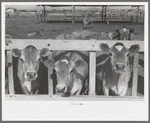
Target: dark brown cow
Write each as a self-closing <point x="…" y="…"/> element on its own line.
<point x="71" y="72"/>
<point x="28" y="66"/>
<point x="114" y="72"/>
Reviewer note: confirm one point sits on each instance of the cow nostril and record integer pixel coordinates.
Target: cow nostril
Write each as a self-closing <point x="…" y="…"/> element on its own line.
<point x="31" y="74"/>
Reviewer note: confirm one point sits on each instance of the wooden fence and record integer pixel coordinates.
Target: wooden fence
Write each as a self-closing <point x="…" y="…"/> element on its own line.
<point x="82" y="45"/>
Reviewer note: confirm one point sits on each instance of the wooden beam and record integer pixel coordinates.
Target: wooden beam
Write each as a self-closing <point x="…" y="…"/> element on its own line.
<point x="72" y="98"/>
<point x="10" y="74"/>
<point x="92" y="73"/>
<point x="85" y="45"/>
<point x="135" y="74"/>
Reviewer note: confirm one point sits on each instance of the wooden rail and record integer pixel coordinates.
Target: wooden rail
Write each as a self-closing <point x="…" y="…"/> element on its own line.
<point x="82" y="45"/>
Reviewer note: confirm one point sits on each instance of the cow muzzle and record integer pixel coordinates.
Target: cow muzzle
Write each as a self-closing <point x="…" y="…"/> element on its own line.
<point x="31" y="76"/>
<point x="60" y="88"/>
<point x="120" y="67"/>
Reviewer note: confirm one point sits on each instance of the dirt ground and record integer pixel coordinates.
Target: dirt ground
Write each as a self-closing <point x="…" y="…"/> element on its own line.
<point x="19" y="28"/>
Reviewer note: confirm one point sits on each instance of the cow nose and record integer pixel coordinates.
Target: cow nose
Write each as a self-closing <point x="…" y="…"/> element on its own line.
<point x="61" y="88"/>
<point x="120" y="66"/>
<point x="31" y="74"/>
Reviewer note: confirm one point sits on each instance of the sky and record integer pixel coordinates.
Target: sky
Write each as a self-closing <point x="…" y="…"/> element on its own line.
<point x="33" y="7"/>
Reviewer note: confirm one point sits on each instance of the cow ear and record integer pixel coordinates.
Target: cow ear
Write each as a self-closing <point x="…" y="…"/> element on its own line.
<point x="45" y="52"/>
<point x="134" y="49"/>
<point x="49" y="63"/>
<point x="16" y="52"/>
<point x="104" y="47"/>
<point x="79" y="63"/>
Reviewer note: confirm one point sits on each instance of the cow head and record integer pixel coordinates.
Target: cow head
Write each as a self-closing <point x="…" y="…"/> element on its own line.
<point x="125" y="33"/>
<point x="65" y="69"/>
<point x="119" y="55"/>
<point x="28" y="65"/>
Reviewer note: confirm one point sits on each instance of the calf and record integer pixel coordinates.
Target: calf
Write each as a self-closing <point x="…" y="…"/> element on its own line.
<point x="88" y="22"/>
<point x="114" y="72"/>
<point x="71" y="71"/>
<point x="28" y="66"/>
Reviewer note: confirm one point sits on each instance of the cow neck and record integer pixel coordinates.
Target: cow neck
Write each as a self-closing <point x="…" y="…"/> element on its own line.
<point x="110" y="75"/>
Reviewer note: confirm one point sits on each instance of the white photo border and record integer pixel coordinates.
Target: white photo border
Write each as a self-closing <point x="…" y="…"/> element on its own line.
<point x="90" y="110"/>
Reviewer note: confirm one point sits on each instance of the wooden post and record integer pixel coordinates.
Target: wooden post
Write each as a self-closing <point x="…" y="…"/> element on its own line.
<point x="44" y="13"/>
<point x="73" y="12"/>
<point x="38" y="14"/>
<point x="137" y="19"/>
<point x="107" y="14"/>
<point x="92" y="73"/>
<point x="50" y="81"/>
<point x="135" y="74"/>
<point x="102" y="13"/>
<point x="10" y="74"/>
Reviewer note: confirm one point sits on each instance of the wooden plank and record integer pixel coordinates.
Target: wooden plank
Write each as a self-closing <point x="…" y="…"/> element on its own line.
<point x="92" y="73"/>
<point x="135" y="74"/>
<point x="71" y="98"/>
<point x="50" y="81"/>
<point x="10" y="74"/>
<point x="84" y="45"/>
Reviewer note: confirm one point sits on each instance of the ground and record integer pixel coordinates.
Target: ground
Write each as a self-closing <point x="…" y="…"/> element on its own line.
<point x="19" y="28"/>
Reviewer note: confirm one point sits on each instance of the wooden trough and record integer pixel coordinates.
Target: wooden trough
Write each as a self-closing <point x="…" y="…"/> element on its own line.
<point x="82" y="45"/>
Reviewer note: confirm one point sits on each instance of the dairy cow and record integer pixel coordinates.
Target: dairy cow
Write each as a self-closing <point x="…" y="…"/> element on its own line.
<point x="71" y="71"/>
<point x="114" y="71"/>
<point x="124" y="34"/>
<point x="28" y="67"/>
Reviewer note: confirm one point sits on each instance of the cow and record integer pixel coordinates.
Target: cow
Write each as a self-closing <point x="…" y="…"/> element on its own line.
<point x="71" y="69"/>
<point x="114" y="72"/>
<point x="88" y="22"/>
<point x="124" y="34"/>
<point x="28" y="66"/>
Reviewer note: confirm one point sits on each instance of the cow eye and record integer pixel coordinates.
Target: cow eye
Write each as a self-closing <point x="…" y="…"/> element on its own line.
<point x="71" y="72"/>
<point x="110" y="54"/>
<point x="127" y="54"/>
<point x="22" y="60"/>
<point x="39" y="59"/>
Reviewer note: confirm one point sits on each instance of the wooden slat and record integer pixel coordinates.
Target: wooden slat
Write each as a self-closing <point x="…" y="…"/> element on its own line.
<point x="50" y="81"/>
<point x="84" y="45"/>
<point x="92" y="73"/>
<point x="135" y="74"/>
<point x="10" y="74"/>
<point x="71" y="98"/>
